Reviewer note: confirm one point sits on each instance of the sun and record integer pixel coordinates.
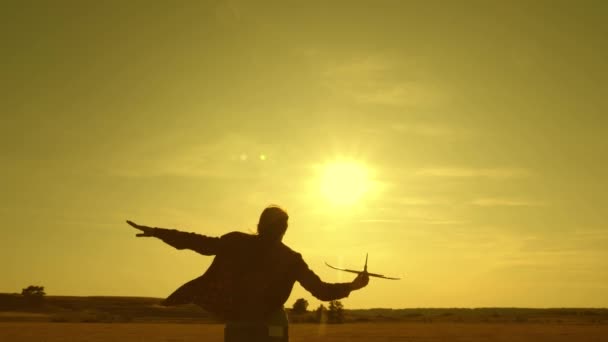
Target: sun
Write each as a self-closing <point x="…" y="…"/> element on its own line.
<point x="344" y="183"/>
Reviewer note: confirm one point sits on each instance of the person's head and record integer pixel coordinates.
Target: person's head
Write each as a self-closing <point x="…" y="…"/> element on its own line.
<point x="273" y="223"/>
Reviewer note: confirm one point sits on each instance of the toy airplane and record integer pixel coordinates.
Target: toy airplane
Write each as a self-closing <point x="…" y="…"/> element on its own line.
<point x="364" y="271"/>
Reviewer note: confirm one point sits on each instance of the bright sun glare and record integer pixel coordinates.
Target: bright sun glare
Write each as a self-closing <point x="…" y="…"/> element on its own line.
<point x="344" y="183"/>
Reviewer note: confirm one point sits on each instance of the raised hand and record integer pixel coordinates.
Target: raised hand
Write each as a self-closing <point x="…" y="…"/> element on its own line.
<point x="146" y="231"/>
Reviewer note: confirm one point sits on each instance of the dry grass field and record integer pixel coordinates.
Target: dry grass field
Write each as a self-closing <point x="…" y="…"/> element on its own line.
<point x="377" y="332"/>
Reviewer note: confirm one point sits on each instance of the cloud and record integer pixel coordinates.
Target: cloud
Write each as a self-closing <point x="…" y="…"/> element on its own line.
<point x="413" y="201"/>
<point x="445" y="222"/>
<point x="425" y="129"/>
<point x="491" y="173"/>
<point x="575" y="254"/>
<point x="375" y="80"/>
<point x="579" y="241"/>
<point x="419" y="212"/>
<point x="421" y="129"/>
<point x="505" y="202"/>
<point x="381" y="221"/>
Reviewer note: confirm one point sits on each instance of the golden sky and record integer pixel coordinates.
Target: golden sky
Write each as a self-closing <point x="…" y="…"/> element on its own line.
<point x="471" y="136"/>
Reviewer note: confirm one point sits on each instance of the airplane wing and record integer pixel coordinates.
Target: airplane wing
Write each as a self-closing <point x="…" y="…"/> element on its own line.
<point x="359" y="272"/>
<point x="381" y="276"/>
<point x="344" y="269"/>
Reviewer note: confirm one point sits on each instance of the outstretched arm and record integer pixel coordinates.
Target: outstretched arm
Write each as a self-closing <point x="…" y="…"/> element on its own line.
<point x="327" y="291"/>
<point x="181" y="240"/>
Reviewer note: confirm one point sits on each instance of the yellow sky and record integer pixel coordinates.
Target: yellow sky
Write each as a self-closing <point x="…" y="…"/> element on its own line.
<point x="481" y="127"/>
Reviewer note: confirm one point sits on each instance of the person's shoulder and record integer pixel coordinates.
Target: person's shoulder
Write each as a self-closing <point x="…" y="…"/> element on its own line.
<point x="295" y="256"/>
<point x="236" y="236"/>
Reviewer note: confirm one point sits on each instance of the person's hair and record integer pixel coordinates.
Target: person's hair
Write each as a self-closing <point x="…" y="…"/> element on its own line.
<point x="273" y="223"/>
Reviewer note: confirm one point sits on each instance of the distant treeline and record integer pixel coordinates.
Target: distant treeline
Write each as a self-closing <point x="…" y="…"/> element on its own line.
<point x="104" y="309"/>
<point x="464" y="315"/>
<point x="137" y="309"/>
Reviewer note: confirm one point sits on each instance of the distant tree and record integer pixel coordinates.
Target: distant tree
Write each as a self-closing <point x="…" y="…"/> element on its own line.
<point x="33" y="291"/>
<point x="34" y="295"/>
<point x="335" y="314"/>
<point x="321" y="314"/>
<point x="300" y="306"/>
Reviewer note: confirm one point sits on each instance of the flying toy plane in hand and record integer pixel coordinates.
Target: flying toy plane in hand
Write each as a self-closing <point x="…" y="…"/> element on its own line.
<point x="364" y="271"/>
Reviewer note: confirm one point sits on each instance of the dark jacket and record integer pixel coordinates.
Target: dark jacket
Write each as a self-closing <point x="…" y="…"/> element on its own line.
<point x="249" y="277"/>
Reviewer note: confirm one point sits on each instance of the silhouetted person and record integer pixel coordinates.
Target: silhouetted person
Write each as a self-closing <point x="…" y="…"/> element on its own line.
<point x="251" y="276"/>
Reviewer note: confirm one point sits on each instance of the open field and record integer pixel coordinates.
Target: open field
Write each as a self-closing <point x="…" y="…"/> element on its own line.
<point x="359" y="332"/>
<point x="117" y="319"/>
<point x="73" y="309"/>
